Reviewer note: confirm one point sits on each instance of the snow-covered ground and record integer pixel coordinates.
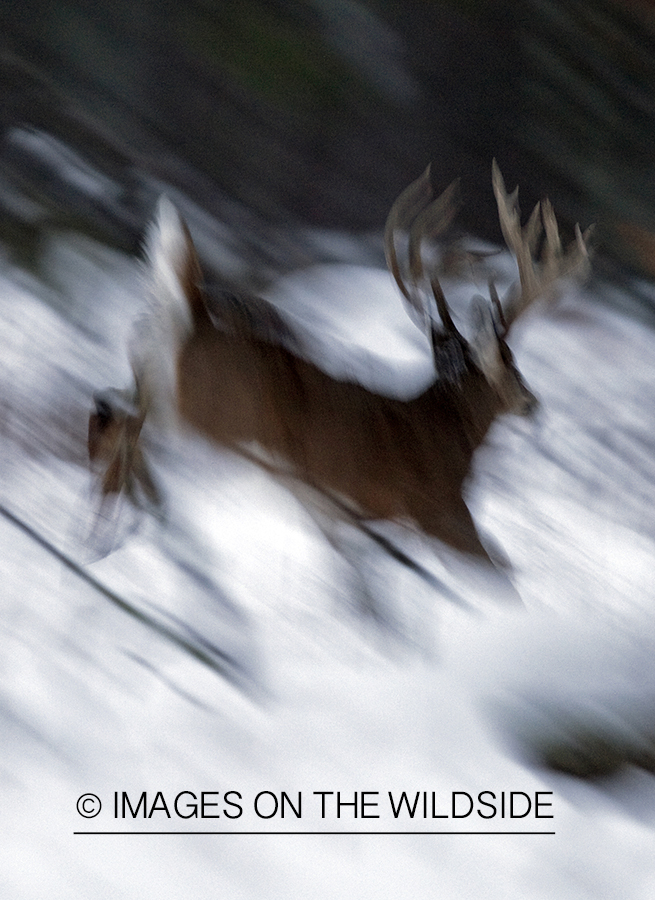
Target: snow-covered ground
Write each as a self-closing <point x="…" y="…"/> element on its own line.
<point x="215" y="650"/>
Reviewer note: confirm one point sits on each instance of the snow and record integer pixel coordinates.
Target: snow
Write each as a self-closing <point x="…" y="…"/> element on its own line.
<point x="290" y="689"/>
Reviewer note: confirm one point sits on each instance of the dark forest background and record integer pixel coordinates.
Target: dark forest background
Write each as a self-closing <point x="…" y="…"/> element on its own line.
<point x="272" y="113"/>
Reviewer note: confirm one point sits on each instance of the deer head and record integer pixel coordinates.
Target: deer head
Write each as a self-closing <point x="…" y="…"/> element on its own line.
<point x="421" y="218"/>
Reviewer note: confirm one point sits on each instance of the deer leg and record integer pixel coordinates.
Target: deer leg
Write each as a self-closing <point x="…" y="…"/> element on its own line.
<point x="450" y="522"/>
<point x="330" y="514"/>
<point x="484" y="573"/>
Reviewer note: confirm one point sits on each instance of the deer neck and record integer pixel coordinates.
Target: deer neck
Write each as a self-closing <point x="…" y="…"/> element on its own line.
<point x="476" y="406"/>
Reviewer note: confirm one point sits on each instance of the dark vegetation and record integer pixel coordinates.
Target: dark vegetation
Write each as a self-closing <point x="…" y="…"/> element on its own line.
<point x="271" y="112"/>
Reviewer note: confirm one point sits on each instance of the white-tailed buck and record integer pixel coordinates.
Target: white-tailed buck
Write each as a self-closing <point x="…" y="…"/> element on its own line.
<point x="232" y="374"/>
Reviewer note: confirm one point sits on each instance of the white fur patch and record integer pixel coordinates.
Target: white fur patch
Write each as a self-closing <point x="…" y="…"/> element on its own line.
<point x="167" y="253"/>
<point x="161" y="332"/>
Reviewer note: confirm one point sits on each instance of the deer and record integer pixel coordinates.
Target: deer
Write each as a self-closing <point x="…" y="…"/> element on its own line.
<point x="236" y="376"/>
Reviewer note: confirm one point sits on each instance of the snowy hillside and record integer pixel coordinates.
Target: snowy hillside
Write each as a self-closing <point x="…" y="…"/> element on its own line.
<point x="216" y="650"/>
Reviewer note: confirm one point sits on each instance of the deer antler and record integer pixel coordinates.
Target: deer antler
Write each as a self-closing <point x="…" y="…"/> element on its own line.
<point x="536" y="277"/>
<point x="423" y="217"/>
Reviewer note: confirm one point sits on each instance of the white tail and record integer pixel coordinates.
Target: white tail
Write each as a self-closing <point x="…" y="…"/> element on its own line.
<point x="374" y="456"/>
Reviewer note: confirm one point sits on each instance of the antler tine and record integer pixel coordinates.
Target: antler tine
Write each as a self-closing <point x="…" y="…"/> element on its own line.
<point x="405" y="209"/>
<point x="442" y="307"/>
<point x="532" y="231"/>
<point x="432" y="222"/>
<point x="497" y="305"/>
<point x="414" y="213"/>
<point x="558" y="263"/>
<point x="507" y="203"/>
<point x="580" y="248"/>
<point x="553" y="248"/>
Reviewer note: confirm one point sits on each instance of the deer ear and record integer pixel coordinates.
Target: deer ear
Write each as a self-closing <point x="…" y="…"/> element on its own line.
<point x="172" y="262"/>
